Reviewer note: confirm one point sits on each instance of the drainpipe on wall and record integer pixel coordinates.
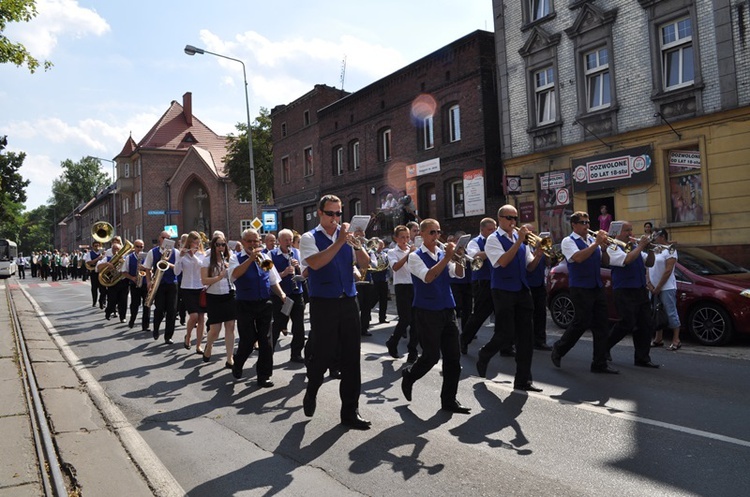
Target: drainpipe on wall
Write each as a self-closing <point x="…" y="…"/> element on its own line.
<point x="167" y="217"/>
<point x="143" y="230"/>
<point x="226" y="206"/>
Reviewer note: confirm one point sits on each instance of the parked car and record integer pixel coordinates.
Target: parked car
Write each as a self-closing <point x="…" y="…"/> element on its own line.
<point x="713" y="295"/>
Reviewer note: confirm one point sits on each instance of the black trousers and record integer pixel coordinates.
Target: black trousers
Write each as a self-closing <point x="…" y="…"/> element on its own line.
<point x="513" y="323"/>
<point x="165" y="308"/>
<point x="22" y="272"/>
<point x="281" y="322"/>
<point x="335" y="340"/>
<point x="117" y="299"/>
<point x="590" y="306"/>
<point x="462" y="294"/>
<point x="539" y="296"/>
<point x="634" y="308"/>
<point x="34" y="269"/>
<point x="438" y="336"/>
<point x="98" y="291"/>
<point x="365" y="294"/>
<point x="137" y="298"/>
<point x="404" y="300"/>
<point x="254" y="325"/>
<point x="483" y="308"/>
<point x="381" y="298"/>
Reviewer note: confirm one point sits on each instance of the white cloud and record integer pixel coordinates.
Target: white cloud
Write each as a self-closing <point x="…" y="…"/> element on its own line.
<point x="41" y="170"/>
<point x="56" y="18"/>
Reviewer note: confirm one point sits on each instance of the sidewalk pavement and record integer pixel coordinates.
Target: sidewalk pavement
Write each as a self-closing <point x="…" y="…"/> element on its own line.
<point x="93" y="459"/>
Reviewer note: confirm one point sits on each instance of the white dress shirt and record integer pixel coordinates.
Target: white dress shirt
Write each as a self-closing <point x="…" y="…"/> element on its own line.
<point x="418" y="268"/>
<point x="403" y="275"/>
<point x="189" y="266"/>
<point x="569" y="246"/>
<point x="223" y="286"/>
<point x="273" y="275"/>
<point x="494" y="249"/>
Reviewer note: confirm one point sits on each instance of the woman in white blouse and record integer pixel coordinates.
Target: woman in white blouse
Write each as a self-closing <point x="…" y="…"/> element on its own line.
<point x="188" y="264"/>
<point x="220" y="298"/>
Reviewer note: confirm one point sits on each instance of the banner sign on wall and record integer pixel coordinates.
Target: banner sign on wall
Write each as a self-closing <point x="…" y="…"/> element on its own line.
<point x="474" y="192"/>
<point x="613" y="170"/>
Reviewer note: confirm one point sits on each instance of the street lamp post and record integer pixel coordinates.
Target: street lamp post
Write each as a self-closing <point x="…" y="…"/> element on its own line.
<point x="191" y="50"/>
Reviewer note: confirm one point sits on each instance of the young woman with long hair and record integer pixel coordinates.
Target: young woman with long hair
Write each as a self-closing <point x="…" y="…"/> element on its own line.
<point x="220" y="298"/>
<point x="189" y="263"/>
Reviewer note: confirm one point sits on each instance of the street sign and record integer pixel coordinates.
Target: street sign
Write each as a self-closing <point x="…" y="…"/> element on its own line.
<point x="256" y="223"/>
<point x="270" y="221"/>
<point x="156" y="213"/>
<point x="172" y="230"/>
<point x="172" y="212"/>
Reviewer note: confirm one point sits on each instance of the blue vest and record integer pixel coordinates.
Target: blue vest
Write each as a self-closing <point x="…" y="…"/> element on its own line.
<point x="93" y="255"/>
<point x="169" y="276"/>
<point x="511" y="278"/>
<point x="485" y="272"/>
<point x="536" y="277"/>
<point x="436" y="296"/>
<point x="466" y="280"/>
<point x="280" y="262"/>
<point x="631" y="275"/>
<point x="133" y="264"/>
<point x="585" y="274"/>
<point x="336" y="277"/>
<point x="255" y="284"/>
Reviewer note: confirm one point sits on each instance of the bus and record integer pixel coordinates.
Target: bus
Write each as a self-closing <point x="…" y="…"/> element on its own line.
<point x="8" y="256"/>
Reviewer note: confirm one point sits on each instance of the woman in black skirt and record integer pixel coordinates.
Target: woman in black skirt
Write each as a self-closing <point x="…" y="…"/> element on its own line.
<point x="220" y="298"/>
<point x="188" y="264"/>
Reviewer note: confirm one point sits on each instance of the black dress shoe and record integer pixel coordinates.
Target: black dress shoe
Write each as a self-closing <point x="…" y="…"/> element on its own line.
<point x="542" y="346"/>
<point x="366" y="334"/>
<point x="205" y="357"/>
<point x="383" y="321"/>
<point x="356" y="422"/>
<point x="131" y="325"/>
<point x="556" y="357"/>
<point x="406" y="384"/>
<point x="392" y="348"/>
<point x="122" y="320"/>
<point x="508" y="353"/>
<point x="646" y="364"/>
<point x="236" y="370"/>
<point x="168" y="341"/>
<point x="529" y="387"/>
<point x="107" y="317"/>
<point x="456" y="407"/>
<point x="156" y="334"/>
<point x="482" y="368"/>
<point x="265" y="383"/>
<point x="464" y="348"/>
<point x="604" y="369"/>
<point x="411" y="358"/>
<point x="309" y="404"/>
<point x="297" y="358"/>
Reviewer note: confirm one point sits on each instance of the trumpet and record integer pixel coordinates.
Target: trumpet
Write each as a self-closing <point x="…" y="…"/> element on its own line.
<point x="613" y="241"/>
<point x="462" y="259"/>
<point x="656" y="247"/>
<point x="540" y="243"/>
<point x="477" y="263"/>
<point x="357" y="242"/>
<point x="265" y="264"/>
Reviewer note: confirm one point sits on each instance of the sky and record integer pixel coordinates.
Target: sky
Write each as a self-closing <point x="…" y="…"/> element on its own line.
<point x="118" y="65"/>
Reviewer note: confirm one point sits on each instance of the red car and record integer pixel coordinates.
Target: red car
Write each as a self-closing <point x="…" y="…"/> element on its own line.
<point x="713" y="295"/>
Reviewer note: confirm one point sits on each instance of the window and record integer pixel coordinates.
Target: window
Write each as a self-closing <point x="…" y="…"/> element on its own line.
<point x="355" y="207"/>
<point x="544" y="85"/>
<point x="686" y="185"/>
<point x="286" y="174"/>
<point x="125" y="205"/>
<point x="454" y="123"/>
<point x="384" y="145"/>
<point x="127" y="170"/>
<point x="457" y="198"/>
<point x="428" y="133"/>
<point x="245" y="224"/>
<point x="137" y="200"/>
<point x="243" y="200"/>
<point x="338" y="160"/>
<point x="139" y="231"/>
<point x="538" y="9"/>
<point x="283" y="130"/>
<point x="306" y="118"/>
<point x="354" y="155"/>
<point x="596" y="69"/>
<point x="137" y="167"/>
<point x="677" y="53"/>
<point x="308" y="158"/>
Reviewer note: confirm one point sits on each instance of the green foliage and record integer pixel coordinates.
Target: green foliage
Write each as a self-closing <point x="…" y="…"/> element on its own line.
<point x="12" y="192"/>
<point x="238" y="160"/>
<point x="79" y="182"/>
<point x="36" y="232"/>
<point x="16" y="53"/>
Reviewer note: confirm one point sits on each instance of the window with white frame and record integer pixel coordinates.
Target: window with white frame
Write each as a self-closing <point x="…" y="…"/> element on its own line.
<point x="356" y="207"/>
<point x="677" y="53"/>
<point x="596" y="69"/>
<point x="454" y="123"/>
<point x="139" y="231"/>
<point x="286" y="173"/>
<point x="245" y="224"/>
<point x="354" y="155"/>
<point x="544" y="86"/>
<point x="127" y="170"/>
<point x="308" y="158"/>
<point x="538" y="9"/>
<point x="125" y="205"/>
<point x="338" y="161"/>
<point x="384" y="145"/>
<point x="137" y="200"/>
<point x="428" y="133"/>
<point x="457" y="198"/>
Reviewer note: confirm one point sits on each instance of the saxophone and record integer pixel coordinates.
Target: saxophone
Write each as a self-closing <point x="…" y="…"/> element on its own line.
<point x="159" y="269"/>
<point x="141" y="273"/>
<point x="112" y="275"/>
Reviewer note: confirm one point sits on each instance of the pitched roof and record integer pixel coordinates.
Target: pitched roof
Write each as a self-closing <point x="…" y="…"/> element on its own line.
<point x="128" y="148"/>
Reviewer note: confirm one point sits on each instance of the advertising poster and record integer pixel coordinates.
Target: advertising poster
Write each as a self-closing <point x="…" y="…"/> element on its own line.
<point x="555" y="203"/>
<point x="613" y="170"/>
<point x="474" y="192"/>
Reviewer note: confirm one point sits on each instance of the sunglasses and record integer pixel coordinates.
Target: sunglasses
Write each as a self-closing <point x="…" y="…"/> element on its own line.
<point x="510" y="218"/>
<point x="221" y="244"/>
<point x="582" y="222"/>
<point x="138" y="246"/>
<point x="333" y="213"/>
<point x="435" y="232"/>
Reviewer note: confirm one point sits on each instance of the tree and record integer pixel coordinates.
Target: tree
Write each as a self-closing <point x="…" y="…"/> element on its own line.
<point x="79" y="182"/>
<point x="35" y="232"/>
<point x="238" y="161"/>
<point x="16" y="53"/>
<point x="12" y="192"/>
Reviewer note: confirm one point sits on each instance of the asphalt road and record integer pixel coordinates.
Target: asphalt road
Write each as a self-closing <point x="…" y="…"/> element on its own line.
<point x="679" y="430"/>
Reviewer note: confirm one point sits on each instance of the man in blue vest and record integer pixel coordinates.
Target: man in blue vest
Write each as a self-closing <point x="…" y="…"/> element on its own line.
<point x="510" y="259"/>
<point x="535" y="276"/>
<point x="286" y="261"/>
<point x="585" y="258"/>
<point x="403" y="287"/>
<point x="480" y="285"/>
<point x="631" y="295"/>
<point x="91" y="258"/>
<point x="138" y="292"/>
<point x="117" y="294"/>
<point x="165" y="300"/>
<point x="334" y="313"/>
<point x="435" y="316"/>
<point x="253" y="284"/>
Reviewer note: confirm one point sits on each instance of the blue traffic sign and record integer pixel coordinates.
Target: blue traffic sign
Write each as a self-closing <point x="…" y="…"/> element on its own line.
<point x="156" y="213"/>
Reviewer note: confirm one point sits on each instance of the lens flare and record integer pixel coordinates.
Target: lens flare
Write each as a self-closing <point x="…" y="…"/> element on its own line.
<point x="422" y="107"/>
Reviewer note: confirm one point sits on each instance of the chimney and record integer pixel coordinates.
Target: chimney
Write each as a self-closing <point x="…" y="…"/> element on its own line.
<point x="187" y="108"/>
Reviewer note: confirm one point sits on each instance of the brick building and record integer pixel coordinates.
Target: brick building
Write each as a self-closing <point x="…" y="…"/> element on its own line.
<point x="430" y="129"/>
<point x="175" y="176"/>
<point x="641" y="106"/>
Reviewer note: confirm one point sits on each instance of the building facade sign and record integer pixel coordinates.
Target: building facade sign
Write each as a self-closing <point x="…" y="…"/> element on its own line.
<point x="613" y="170"/>
<point x="474" y="192"/>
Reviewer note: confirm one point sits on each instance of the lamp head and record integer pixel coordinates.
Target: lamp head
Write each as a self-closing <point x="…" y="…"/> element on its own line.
<point x="191" y="50"/>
